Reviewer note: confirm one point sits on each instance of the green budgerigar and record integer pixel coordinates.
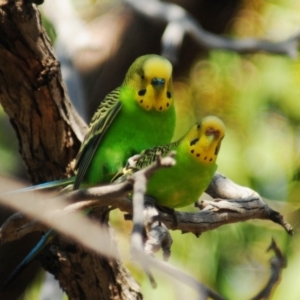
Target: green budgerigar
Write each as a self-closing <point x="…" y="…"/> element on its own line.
<point x="137" y="115"/>
<point x="196" y="155"/>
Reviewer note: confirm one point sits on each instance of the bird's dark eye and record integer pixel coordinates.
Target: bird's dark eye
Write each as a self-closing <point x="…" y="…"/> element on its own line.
<point x="142" y="92"/>
<point x="194" y="141"/>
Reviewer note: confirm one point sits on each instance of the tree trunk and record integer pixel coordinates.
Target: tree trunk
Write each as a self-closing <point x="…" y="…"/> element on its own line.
<point x="50" y="132"/>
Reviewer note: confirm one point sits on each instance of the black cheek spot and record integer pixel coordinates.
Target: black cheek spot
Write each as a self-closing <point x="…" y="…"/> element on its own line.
<point x="147" y="106"/>
<point x="142" y="92"/>
<point x="160" y="108"/>
<point x="210" y="159"/>
<point x="205" y="157"/>
<point x="168" y="104"/>
<point x="192" y="151"/>
<point x="141" y="101"/>
<point x="169" y="94"/>
<point x="198" y="155"/>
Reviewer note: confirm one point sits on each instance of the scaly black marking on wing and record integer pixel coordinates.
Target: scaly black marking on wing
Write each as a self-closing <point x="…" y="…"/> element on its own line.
<point x="100" y="122"/>
<point x="146" y="158"/>
<point x="149" y="156"/>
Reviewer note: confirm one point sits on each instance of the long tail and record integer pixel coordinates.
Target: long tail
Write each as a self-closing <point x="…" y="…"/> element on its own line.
<point x="30" y="256"/>
<point x="49" y="234"/>
<point x="42" y="186"/>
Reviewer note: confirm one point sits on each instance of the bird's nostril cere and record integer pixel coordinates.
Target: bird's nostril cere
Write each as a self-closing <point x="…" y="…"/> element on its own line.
<point x="157" y="81"/>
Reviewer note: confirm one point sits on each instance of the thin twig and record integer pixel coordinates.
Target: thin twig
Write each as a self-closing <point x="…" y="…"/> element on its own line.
<point x="158" y="235"/>
<point x="242" y="200"/>
<point x="203" y="291"/>
<point x="278" y="262"/>
<point x="139" y="189"/>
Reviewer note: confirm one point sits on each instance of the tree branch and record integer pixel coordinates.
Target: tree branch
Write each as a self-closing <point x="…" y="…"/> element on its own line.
<point x="179" y="23"/>
<point x="239" y="204"/>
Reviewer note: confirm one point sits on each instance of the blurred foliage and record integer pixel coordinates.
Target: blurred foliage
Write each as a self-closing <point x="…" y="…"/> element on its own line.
<point x="258" y="97"/>
<point x="10" y="162"/>
<point x="34" y="289"/>
<point x="49" y="29"/>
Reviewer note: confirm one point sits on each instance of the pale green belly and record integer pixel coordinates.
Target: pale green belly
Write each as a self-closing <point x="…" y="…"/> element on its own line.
<point x="180" y="185"/>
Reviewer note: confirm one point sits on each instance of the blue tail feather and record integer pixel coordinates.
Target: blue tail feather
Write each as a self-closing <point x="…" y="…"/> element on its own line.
<point x="45" y="239"/>
<point x="42" y="186"/>
<point x="30" y="256"/>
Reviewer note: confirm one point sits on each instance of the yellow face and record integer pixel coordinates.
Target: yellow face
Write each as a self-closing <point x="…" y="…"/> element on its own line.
<point x="205" y="139"/>
<point x="153" y="84"/>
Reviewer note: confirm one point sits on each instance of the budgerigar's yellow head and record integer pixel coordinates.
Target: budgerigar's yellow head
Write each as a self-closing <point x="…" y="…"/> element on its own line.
<point x="205" y="139"/>
<point x="151" y="78"/>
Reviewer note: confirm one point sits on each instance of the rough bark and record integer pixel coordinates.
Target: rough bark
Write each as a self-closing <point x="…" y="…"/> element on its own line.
<point x="86" y="275"/>
<point x="49" y="132"/>
<point x="34" y="96"/>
